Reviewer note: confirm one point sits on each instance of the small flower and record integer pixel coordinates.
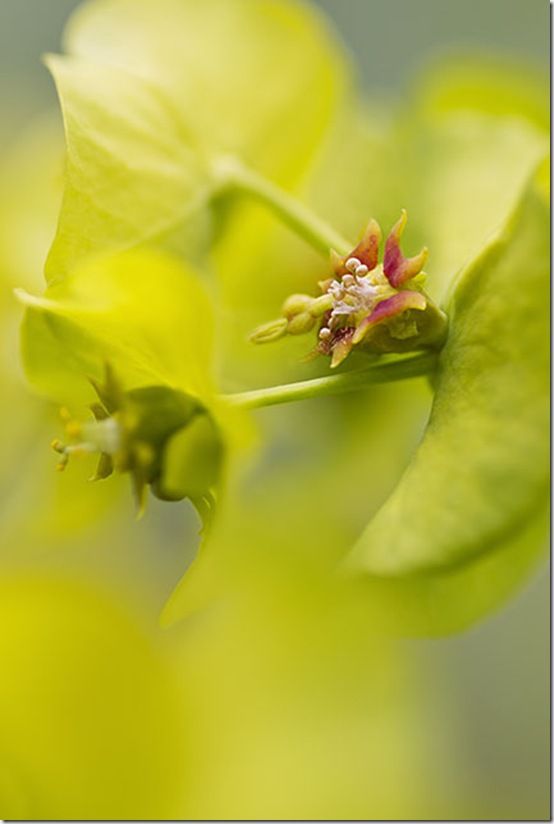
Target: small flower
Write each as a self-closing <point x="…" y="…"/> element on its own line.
<point x="131" y="431"/>
<point x="375" y="307"/>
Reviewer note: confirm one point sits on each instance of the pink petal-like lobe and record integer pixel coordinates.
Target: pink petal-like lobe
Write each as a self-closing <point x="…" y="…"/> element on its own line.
<point x="389" y="308"/>
<point x="396" y="267"/>
<point x="367" y="250"/>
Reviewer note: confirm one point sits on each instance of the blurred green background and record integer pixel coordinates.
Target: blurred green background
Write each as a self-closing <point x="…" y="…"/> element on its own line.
<point x="390" y="39"/>
<point x="494" y="678"/>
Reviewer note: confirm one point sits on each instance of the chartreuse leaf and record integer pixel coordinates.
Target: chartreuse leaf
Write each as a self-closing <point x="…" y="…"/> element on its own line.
<point x="143" y="312"/>
<point x="480" y="474"/>
<point x="133" y="171"/>
<point x="205" y="56"/>
<point x="493" y="85"/>
<point x="151" y="93"/>
<point x="454" y="598"/>
<point x="476" y="130"/>
<point x="193" y="459"/>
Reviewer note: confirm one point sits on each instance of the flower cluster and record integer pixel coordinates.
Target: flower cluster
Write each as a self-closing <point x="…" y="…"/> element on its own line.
<point x="377" y="307"/>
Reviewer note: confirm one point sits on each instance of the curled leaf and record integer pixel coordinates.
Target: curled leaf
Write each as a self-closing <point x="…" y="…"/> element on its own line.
<point x="399" y="269"/>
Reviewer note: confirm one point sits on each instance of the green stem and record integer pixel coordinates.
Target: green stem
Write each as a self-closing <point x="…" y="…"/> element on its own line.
<point x="400" y="369"/>
<point x="233" y="175"/>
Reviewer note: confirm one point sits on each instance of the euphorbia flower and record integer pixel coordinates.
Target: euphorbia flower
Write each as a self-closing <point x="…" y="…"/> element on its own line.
<point x="154" y="408"/>
<point x="377" y="307"/>
<point x="136" y="432"/>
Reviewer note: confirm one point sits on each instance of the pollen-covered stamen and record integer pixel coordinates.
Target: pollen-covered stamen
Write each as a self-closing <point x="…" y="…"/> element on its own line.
<point x="399" y="269"/>
<point x="66" y="450"/>
<point x="364" y="294"/>
<point x="355" y="266"/>
<point x="351" y="296"/>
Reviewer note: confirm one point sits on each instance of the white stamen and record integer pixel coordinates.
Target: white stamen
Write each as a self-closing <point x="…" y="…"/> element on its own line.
<point x="362" y="270"/>
<point x="348" y="280"/>
<point x="324" y="333"/>
<point x="352" y="264"/>
<point x="103" y="436"/>
<point x="336" y="289"/>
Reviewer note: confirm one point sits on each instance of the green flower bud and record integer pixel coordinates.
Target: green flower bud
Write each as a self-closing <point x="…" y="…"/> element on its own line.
<point x="296" y="304"/>
<point x="301" y="323"/>
<point x="269" y="332"/>
<point x="320" y="305"/>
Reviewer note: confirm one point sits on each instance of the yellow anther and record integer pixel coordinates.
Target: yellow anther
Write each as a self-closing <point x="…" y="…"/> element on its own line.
<point x="73" y="429"/>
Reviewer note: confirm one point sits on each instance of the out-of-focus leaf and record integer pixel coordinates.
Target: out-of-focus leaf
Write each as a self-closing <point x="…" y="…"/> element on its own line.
<point x="236" y="72"/>
<point x="31" y="181"/>
<point x="91" y="718"/>
<point x="134" y="173"/>
<point x="480" y="474"/>
<point x="492" y="85"/>
<point x="193" y="458"/>
<point x="453" y="599"/>
<point x="151" y="92"/>
<point x="143" y="312"/>
<point x="472" y="137"/>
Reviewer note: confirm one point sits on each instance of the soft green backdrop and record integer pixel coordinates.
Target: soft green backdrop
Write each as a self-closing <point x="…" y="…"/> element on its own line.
<point x="495" y="676"/>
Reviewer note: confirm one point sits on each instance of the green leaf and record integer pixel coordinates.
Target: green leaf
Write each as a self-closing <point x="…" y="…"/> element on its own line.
<point x="480" y="475"/>
<point x="439" y="604"/>
<point x="143" y="312"/>
<point x="192" y="460"/>
<point x="476" y="131"/>
<point x="133" y="172"/>
<point x="152" y="92"/>
<point x="492" y="85"/>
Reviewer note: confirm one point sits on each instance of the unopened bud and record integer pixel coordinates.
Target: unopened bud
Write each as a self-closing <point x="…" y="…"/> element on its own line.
<point x="295" y="304"/>
<point x="268" y="332"/>
<point x="301" y="323"/>
<point x="320" y="305"/>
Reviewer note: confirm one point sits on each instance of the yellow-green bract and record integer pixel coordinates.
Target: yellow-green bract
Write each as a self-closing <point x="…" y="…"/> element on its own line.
<point x="153" y="92"/>
<point x="480" y="475"/>
<point x="147" y="316"/>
